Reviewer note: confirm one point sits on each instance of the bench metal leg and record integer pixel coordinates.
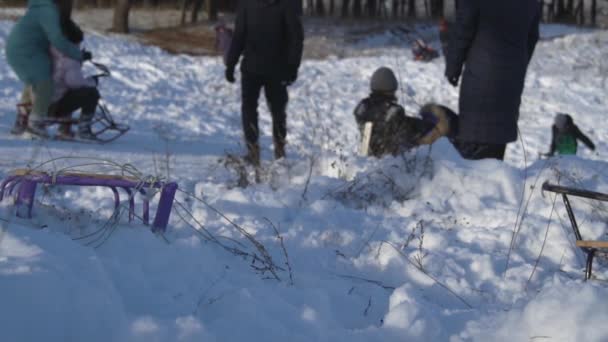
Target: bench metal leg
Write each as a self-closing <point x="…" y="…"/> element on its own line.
<point x="116" y="198"/>
<point x="25" y="198"/>
<point x="589" y="267"/>
<point x="165" y="203"/>
<point x="4" y="184"/>
<point x="146" y="212"/>
<point x="131" y="204"/>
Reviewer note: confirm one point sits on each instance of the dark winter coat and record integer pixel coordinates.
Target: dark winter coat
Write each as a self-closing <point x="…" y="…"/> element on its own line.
<point x="27" y="46"/>
<point x="494" y="41"/>
<point x="269" y="35"/>
<point x="392" y="130"/>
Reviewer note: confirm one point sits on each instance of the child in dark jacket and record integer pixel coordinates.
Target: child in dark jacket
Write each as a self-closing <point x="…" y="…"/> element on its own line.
<point x="384" y="126"/>
<point x="565" y="135"/>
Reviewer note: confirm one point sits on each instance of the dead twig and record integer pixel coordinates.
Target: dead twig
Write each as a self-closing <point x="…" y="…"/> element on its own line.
<point x="280" y="238"/>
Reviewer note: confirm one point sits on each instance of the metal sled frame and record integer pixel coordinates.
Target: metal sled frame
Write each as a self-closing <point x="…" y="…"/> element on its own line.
<point x="589" y="247"/>
<point x="102" y="120"/>
<point x="23" y="183"/>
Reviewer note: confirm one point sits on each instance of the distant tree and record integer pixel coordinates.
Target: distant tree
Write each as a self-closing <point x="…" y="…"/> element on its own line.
<point x="212" y="10"/>
<point x="120" y="22"/>
<point x="570" y="6"/>
<point x="102" y="3"/>
<point x="560" y="10"/>
<point x="345" y="7"/>
<point x="395" y="8"/>
<point x="411" y="8"/>
<point x="357" y="8"/>
<point x="372" y="6"/>
<point x="198" y="4"/>
<point x="437" y="8"/>
<point x="320" y="7"/>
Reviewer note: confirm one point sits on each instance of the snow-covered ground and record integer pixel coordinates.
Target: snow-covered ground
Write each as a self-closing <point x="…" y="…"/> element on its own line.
<point x="413" y="248"/>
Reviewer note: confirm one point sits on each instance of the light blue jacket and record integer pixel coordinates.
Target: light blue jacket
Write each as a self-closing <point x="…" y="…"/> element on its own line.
<point x="27" y="46"/>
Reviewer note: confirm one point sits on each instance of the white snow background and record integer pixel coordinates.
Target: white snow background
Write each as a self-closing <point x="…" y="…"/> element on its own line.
<point x="411" y="248"/>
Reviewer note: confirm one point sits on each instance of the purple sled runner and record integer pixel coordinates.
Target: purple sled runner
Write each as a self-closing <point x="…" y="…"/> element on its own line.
<point x="24" y="182"/>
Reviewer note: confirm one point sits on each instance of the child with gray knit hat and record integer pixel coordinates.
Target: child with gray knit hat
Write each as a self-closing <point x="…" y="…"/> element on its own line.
<point x="565" y="135"/>
<point x="384" y="126"/>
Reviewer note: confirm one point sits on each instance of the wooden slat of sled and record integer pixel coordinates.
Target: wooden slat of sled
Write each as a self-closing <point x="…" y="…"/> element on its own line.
<point x="24" y="172"/>
<point x="592" y="244"/>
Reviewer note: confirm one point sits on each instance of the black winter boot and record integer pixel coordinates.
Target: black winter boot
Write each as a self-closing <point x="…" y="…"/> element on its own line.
<point x="65" y="131"/>
<point x="253" y="154"/>
<point x="84" y="131"/>
<point x="279" y="148"/>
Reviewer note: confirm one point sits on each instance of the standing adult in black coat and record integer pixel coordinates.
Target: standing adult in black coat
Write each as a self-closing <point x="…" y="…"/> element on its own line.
<point x="269" y="35"/>
<point x="494" y="40"/>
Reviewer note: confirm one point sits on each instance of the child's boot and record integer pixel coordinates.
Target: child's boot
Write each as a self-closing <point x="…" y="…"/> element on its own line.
<point x="279" y="148"/>
<point x="65" y="131"/>
<point x="20" y="124"/>
<point x="84" y="127"/>
<point x="253" y="154"/>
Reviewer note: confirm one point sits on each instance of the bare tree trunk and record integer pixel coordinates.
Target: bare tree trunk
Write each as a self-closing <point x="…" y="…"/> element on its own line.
<point x="320" y="8"/>
<point x="332" y="7"/>
<point x="310" y="7"/>
<point x="593" y="12"/>
<point x="395" y="8"/>
<point x="570" y="6"/>
<point x="437" y="8"/>
<point x="560" y="11"/>
<point x="411" y="8"/>
<point x="102" y="3"/>
<point x="357" y="8"/>
<point x="120" y="22"/>
<point x="185" y="4"/>
<point x="345" y="7"/>
<point x="579" y="12"/>
<point x="371" y="7"/>
<point x="198" y="4"/>
<point x="212" y="10"/>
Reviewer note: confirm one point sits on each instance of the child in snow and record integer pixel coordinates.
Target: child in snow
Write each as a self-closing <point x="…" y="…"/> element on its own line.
<point x="422" y="52"/>
<point x="564" y="136"/>
<point x="27" y="52"/>
<point x="73" y="91"/>
<point x="384" y="127"/>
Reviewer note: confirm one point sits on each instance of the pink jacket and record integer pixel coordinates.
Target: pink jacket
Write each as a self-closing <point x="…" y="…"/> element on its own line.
<point x="67" y="74"/>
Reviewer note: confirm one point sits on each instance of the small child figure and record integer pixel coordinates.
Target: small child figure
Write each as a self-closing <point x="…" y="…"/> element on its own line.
<point x="384" y="127"/>
<point x="422" y="52"/>
<point x="565" y="135"/>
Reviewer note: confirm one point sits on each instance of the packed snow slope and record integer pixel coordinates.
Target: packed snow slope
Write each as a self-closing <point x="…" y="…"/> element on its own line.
<point x="328" y="245"/>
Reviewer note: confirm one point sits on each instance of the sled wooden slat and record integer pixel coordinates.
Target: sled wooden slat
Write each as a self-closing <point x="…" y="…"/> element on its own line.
<point x="589" y="247"/>
<point x="592" y="244"/>
<point x="24" y="172"/>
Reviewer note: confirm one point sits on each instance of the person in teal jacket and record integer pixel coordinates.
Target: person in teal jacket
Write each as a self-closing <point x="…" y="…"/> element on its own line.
<point x="27" y="52"/>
